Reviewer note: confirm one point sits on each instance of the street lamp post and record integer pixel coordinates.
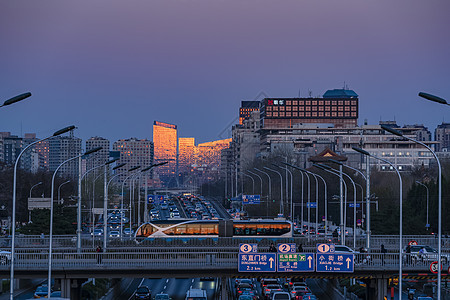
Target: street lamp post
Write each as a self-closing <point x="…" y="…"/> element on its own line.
<point x="270" y="190"/>
<point x="292" y="183"/>
<point x="59" y="190"/>
<point x="325" y="192"/>
<point x="281" y="189"/>
<point x="146" y="187"/>
<point x="343" y="206"/>
<point x="51" y="214"/>
<point x="121" y="202"/>
<point x="401" y="214"/>
<point x="29" y="212"/>
<point x="427" y="225"/>
<point x="253" y="181"/>
<point x="367" y="179"/>
<point x="13" y="222"/>
<point x="260" y="179"/>
<point x="441" y="101"/>
<point x="16" y="99"/>
<point x="105" y="201"/>
<point x="354" y="201"/>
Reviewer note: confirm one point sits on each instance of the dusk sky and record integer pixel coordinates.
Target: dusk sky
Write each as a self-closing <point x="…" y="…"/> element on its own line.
<point x="113" y="67"/>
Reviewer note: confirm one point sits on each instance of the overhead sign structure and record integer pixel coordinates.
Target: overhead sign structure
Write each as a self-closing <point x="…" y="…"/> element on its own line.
<point x="295" y="262"/>
<point x="335" y="262"/>
<point x="156" y="199"/>
<point x="311" y="204"/>
<point x="257" y="262"/>
<point x="286" y="248"/>
<point x="251" y="199"/>
<point x="248" y="248"/>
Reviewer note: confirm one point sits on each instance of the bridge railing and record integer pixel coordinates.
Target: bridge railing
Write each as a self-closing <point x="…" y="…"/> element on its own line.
<point x="168" y="259"/>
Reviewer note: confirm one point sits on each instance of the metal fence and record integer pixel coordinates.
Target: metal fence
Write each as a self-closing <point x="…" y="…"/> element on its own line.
<point x="179" y="259"/>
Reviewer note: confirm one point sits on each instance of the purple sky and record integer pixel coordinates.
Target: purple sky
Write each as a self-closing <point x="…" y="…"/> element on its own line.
<point x="112" y="67"/>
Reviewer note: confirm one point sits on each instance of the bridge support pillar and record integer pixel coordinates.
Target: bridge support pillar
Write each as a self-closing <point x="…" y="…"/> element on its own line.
<point x="377" y="288"/>
<point x="71" y="288"/>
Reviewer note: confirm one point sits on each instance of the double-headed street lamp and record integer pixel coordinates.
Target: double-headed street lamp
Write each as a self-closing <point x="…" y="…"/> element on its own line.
<point x="146" y="190"/>
<point x="354" y="199"/>
<point x="121" y="202"/>
<point x="59" y="189"/>
<point x="29" y="213"/>
<point x="401" y="214"/>
<point x="366" y="178"/>
<point x="13" y="234"/>
<point x="51" y="213"/>
<point x="427" y="225"/>
<point x="343" y="201"/>
<point x="269" y="196"/>
<point x="398" y="133"/>
<point x="281" y="188"/>
<point x="16" y="99"/>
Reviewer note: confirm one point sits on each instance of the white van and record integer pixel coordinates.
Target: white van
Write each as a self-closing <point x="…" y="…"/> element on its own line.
<point x="196" y="294"/>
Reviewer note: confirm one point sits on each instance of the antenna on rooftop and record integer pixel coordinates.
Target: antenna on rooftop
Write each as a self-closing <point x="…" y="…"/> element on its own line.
<point x="309" y="93"/>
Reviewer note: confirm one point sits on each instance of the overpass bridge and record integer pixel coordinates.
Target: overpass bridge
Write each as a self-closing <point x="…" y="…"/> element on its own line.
<point x="71" y="268"/>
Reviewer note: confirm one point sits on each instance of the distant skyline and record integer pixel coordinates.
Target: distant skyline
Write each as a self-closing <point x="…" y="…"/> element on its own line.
<point x="113" y="67"/>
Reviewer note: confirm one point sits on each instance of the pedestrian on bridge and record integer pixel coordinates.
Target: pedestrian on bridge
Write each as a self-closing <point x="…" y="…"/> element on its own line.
<point x="300" y="248"/>
<point x="99" y="251"/>
<point x="272" y="248"/>
<point x="383" y="252"/>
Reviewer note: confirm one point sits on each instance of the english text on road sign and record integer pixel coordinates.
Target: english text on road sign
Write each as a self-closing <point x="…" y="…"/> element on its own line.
<point x="251" y="199"/>
<point x="248" y="248"/>
<point x="334" y="262"/>
<point x="353" y="205"/>
<point x="295" y="262"/>
<point x="311" y="204"/>
<point x="286" y="248"/>
<point x="257" y="262"/>
<point x="325" y="248"/>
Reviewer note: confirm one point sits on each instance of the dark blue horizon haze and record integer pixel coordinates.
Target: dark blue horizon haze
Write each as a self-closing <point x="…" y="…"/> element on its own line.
<point x="113" y="67"/>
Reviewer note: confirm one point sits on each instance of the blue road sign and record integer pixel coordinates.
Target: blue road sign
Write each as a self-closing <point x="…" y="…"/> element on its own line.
<point x="334" y="262"/>
<point x="353" y="205"/>
<point x="257" y="262"/>
<point x="325" y="248"/>
<point x="150" y="199"/>
<point x="311" y="204"/>
<point x="248" y="248"/>
<point x="295" y="262"/>
<point x="251" y="199"/>
<point x="286" y="248"/>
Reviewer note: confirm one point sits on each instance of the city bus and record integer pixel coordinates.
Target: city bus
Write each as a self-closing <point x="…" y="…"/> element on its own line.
<point x="215" y="228"/>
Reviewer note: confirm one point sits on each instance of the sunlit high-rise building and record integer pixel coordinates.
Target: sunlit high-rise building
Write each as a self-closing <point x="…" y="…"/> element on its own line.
<point x="165" y="149"/>
<point x="186" y="152"/>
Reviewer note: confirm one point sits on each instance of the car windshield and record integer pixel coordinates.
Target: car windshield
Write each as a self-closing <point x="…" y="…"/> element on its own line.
<point x="42" y="289"/>
<point x="142" y="290"/>
<point x="282" y="297"/>
<point x="162" y="297"/>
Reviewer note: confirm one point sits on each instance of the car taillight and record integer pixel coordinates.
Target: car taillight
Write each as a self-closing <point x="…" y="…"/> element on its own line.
<point x="239" y="292"/>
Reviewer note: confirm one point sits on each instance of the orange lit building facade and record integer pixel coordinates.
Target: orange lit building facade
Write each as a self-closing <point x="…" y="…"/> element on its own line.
<point x="165" y="149"/>
<point x="203" y="160"/>
<point x="186" y="154"/>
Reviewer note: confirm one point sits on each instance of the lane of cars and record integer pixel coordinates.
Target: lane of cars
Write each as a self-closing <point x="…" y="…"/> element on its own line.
<point x="273" y="289"/>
